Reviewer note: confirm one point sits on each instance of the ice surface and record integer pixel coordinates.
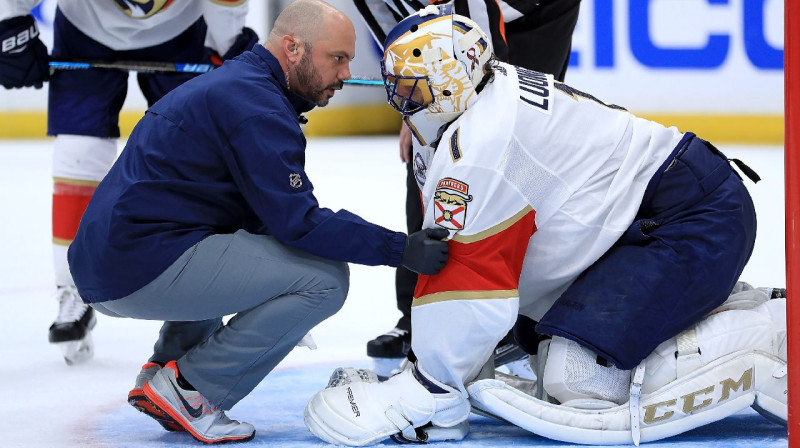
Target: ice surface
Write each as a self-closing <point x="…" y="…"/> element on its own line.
<point x="49" y="404"/>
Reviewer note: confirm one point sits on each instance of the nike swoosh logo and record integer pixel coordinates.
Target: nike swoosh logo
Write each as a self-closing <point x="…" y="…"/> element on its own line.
<point x="194" y="412"/>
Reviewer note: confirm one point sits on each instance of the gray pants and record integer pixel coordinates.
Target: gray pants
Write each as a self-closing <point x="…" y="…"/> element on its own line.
<point x="277" y="294"/>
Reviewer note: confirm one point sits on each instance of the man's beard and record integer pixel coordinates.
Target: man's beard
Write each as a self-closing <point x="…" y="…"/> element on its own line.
<point x="309" y="84"/>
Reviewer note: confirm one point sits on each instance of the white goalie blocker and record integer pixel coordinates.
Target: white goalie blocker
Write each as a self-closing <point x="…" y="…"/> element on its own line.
<point x="355" y="409"/>
<point x="733" y="359"/>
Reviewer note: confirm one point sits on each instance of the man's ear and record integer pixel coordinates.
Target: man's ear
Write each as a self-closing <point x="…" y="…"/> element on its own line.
<point x="290" y="46"/>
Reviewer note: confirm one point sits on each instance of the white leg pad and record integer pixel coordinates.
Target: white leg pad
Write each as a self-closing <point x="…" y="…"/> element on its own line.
<point x="772" y="398"/>
<point x="742" y="365"/>
<point x="710" y="394"/>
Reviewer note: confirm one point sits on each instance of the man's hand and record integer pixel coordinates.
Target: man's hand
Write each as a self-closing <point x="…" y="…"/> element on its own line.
<point x="425" y="252"/>
<point x="23" y="56"/>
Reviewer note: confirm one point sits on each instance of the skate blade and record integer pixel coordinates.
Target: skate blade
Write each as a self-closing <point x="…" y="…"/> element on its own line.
<point x="77" y="352"/>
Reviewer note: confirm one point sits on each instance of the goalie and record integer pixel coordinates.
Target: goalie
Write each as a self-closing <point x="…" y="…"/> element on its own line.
<point x="619" y="239"/>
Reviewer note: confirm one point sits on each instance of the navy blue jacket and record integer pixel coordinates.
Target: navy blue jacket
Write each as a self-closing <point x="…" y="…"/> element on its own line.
<point x="221" y="152"/>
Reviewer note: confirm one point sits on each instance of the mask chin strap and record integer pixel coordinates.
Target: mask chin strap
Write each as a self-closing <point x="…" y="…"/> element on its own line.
<point x="425" y="127"/>
<point x="414" y="131"/>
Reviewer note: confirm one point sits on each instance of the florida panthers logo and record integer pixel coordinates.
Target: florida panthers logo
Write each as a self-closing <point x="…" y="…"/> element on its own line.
<point x="450" y="204"/>
<point x="142" y="9"/>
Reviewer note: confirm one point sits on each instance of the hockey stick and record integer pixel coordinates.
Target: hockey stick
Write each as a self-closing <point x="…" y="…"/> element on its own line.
<point x="170" y="67"/>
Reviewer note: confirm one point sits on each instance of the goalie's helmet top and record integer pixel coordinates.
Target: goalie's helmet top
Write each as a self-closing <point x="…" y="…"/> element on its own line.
<point x="433" y="61"/>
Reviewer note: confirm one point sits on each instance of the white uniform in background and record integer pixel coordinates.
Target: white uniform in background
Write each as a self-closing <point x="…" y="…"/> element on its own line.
<point x="127" y="25"/>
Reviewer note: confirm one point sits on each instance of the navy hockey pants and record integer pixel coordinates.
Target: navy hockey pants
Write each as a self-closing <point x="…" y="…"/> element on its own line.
<point x="88" y="102"/>
<point x="679" y="259"/>
<point x="277" y="294"/>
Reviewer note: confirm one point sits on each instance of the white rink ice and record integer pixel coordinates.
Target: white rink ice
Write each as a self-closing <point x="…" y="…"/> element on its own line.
<point x="46" y="403"/>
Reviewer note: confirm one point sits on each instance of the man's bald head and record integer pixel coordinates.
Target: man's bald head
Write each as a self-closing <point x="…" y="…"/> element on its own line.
<point x="307" y="21"/>
<point x="314" y="44"/>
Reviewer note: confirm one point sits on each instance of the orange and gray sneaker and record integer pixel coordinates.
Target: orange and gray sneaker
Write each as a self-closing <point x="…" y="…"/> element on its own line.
<point x="137" y="399"/>
<point x="192" y="411"/>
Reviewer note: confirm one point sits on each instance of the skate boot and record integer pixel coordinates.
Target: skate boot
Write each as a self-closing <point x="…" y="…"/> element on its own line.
<point x="388" y="351"/>
<point x="392" y="344"/>
<point x="72" y="330"/>
<point x="508" y="351"/>
<point x="137" y="399"/>
<point x="192" y="411"/>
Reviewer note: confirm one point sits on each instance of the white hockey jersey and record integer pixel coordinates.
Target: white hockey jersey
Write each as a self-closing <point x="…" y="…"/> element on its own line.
<point x="129" y="25"/>
<point x="535" y="182"/>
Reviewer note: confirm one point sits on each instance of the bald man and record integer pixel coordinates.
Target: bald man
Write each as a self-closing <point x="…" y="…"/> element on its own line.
<point x="208" y="212"/>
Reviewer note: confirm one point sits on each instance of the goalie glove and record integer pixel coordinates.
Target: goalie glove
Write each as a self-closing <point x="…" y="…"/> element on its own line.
<point x="359" y="411"/>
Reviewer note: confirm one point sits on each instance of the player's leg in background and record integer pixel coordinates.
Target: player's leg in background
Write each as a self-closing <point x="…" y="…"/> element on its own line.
<point x="83" y="113"/>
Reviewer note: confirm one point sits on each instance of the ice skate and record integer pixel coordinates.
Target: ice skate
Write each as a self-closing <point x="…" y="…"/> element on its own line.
<point x="192" y="411"/>
<point x="71" y="330"/>
<point x="395" y="343"/>
<point x="138" y="400"/>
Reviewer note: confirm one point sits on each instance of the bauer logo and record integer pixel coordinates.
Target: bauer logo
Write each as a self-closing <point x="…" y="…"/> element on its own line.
<point x="17" y="43"/>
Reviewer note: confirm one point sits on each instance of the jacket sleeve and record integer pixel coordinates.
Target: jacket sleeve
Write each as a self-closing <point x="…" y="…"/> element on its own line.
<point x="267" y="158"/>
<point x="460" y="314"/>
<point x="15" y="8"/>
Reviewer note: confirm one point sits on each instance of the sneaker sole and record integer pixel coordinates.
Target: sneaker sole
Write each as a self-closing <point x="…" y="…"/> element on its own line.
<point x="164" y="407"/>
<point x="138" y="400"/>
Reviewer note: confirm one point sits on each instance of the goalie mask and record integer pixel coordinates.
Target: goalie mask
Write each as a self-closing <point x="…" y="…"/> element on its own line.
<point x="433" y="62"/>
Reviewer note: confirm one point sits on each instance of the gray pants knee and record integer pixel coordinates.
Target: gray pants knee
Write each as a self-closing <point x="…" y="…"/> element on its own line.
<point x="277" y="294"/>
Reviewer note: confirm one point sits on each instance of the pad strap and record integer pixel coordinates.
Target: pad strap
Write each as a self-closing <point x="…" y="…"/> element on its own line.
<point x="633" y="403"/>
<point x="687" y="357"/>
